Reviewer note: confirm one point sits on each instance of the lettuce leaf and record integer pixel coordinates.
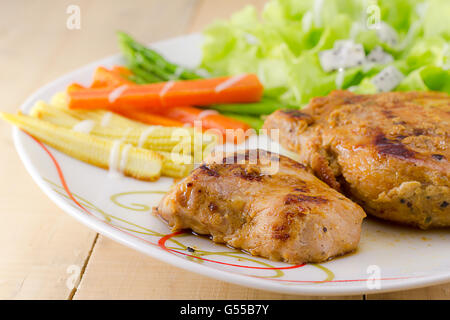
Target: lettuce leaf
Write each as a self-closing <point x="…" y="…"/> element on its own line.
<point x="282" y="44"/>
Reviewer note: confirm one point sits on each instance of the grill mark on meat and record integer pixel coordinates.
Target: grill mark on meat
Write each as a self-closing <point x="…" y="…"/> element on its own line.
<point x="254" y="158"/>
<point x="298" y="165"/>
<point x="301" y="186"/>
<point x="392" y="147"/>
<point x="354" y="99"/>
<point x="300" y="198"/>
<point x="298" y="115"/>
<point x="280" y="232"/>
<point x="295" y="113"/>
<point x="238" y="157"/>
<point x="301" y="189"/>
<point x="250" y="174"/>
<point x="388" y="113"/>
<point x="438" y="157"/>
<point x="210" y="172"/>
<point x="418" y="132"/>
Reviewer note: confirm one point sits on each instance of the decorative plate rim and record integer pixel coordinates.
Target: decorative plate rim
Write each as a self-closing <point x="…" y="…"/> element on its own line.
<point x="139" y="244"/>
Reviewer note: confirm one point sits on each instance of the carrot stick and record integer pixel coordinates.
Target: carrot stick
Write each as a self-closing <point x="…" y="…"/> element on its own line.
<point x="152" y="97"/>
<point x="184" y="114"/>
<point x="109" y="78"/>
<point x="152" y="119"/>
<point x="177" y="116"/>
<point x="123" y="71"/>
<point x="140" y="116"/>
<point x="209" y="120"/>
<point x="74" y="87"/>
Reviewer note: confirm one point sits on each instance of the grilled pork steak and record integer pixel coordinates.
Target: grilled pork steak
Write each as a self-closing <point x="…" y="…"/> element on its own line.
<point x="389" y="152"/>
<point x="286" y="214"/>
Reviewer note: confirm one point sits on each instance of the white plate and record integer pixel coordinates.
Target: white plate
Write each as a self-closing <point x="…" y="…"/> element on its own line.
<point x="402" y="258"/>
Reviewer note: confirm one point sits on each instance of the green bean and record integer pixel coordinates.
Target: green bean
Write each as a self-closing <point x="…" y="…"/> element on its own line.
<point x="149" y="66"/>
<point x="152" y="61"/>
<point x="265" y="106"/>
<point x="254" y="122"/>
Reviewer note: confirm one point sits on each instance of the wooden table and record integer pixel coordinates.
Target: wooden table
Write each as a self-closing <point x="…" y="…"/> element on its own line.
<point x="39" y="243"/>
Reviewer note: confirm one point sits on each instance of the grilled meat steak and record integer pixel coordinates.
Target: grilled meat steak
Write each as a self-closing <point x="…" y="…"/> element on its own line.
<point x="389" y="152"/>
<point x="285" y="214"/>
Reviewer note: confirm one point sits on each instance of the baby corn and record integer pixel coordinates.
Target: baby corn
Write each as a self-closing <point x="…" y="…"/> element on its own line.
<point x="158" y="138"/>
<point x="53" y="115"/>
<point x="178" y="147"/>
<point x="176" y="165"/>
<point x="60" y="100"/>
<point x="116" y="155"/>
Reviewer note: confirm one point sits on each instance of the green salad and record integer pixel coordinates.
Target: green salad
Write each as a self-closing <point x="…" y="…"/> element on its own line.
<point x="304" y="48"/>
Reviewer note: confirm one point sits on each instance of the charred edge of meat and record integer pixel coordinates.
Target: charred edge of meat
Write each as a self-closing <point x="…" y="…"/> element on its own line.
<point x="323" y="170"/>
<point x="299" y="198"/>
<point x="392" y="147"/>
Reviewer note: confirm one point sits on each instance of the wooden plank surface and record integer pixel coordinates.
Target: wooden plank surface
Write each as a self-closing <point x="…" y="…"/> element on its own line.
<point x="39" y="242"/>
<point x="41" y="246"/>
